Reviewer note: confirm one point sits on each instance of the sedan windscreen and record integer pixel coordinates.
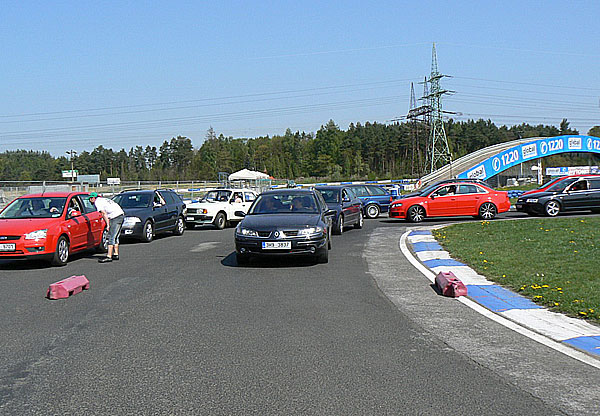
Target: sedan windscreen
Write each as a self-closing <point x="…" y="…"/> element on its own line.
<point x="41" y="207"/>
<point x="134" y="200"/>
<point x="330" y="195"/>
<point x="285" y="204"/>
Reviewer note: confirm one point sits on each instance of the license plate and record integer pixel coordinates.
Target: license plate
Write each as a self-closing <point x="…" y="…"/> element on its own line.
<point x="7" y="247"/>
<point x="276" y="245"/>
<point x="190" y="219"/>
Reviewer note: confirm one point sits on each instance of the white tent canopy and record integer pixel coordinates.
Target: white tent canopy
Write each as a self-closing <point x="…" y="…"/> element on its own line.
<point x="246" y="174"/>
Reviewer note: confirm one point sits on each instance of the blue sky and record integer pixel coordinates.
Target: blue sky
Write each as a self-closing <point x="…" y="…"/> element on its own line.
<point x="78" y="74"/>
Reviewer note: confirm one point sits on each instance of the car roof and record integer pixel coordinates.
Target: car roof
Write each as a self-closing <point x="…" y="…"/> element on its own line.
<point x="331" y="186"/>
<point x="297" y="191"/>
<point x="53" y="194"/>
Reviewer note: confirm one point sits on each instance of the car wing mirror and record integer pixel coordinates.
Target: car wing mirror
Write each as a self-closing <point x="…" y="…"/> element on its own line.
<point x="345" y="199"/>
<point x="330" y="212"/>
<point x="239" y="213"/>
<point x="74" y="213"/>
<point x="432" y="196"/>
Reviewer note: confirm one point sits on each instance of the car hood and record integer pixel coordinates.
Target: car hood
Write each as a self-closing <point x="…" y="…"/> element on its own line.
<point x="539" y="194"/>
<point x="137" y="212"/>
<point x="276" y="221"/>
<point x="204" y="204"/>
<point x="25" y="225"/>
<point x="333" y="205"/>
<point x="410" y="195"/>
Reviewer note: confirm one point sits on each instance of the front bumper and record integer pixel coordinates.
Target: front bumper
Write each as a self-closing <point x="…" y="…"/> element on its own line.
<point x="528" y="207"/>
<point x="26" y="249"/>
<point x="299" y="246"/>
<point x="199" y="219"/>
<point x="397" y="212"/>
<point x="137" y="231"/>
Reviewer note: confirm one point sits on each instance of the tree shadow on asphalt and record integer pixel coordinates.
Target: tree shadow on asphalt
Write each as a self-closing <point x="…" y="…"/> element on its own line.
<point x="269" y="262"/>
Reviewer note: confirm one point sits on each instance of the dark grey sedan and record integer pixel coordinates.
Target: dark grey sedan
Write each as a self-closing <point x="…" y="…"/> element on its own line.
<point x="347" y="206"/>
<point x="283" y="223"/>
<point x="570" y="194"/>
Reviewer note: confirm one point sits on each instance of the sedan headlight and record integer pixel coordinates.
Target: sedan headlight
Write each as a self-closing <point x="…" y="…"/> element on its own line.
<point x="247" y="232"/>
<point x="310" y="230"/>
<point x="532" y="200"/>
<point x="130" y="222"/>
<point x="36" y="235"/>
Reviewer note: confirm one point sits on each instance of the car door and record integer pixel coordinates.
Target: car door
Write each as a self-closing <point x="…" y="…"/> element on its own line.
<point x="577" y="196"/>
<point x="160" y="212"/>
<point x="350" y="205"/>
<point x="468" y="199"/>
<point x="96" y="221"/>
<point x="78" y="224"/>
<point x="442" y="202"/>
<point x="594" y="192"/>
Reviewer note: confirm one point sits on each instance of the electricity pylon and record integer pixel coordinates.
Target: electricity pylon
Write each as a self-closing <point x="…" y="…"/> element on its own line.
<point x="439" y="150"/>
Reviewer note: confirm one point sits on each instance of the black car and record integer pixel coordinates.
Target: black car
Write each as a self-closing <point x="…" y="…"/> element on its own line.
<point x="149" y="212"/>
<point x="346" y="204"/>
<point x="285" y="222"/>
<point x="570" y="194"/>
<point x="374" y="198"/>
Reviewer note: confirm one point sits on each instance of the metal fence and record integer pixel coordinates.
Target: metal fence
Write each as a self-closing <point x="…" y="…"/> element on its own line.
<point x="189" y="190"/>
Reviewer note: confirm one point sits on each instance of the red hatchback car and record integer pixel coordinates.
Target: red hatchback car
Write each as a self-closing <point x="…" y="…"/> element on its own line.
<point x="452" y="199"/>
<point x="51" y="226"/>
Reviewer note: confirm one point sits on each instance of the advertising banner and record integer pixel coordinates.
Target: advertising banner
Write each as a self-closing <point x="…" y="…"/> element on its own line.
<point x="539" y="148"/>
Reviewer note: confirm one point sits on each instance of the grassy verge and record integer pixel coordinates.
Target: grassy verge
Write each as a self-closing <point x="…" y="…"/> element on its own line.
<point x="553" y="261"/>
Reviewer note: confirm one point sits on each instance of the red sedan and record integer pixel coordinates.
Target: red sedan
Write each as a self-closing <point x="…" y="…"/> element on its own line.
<point x="452" y="199"/>
<point x="51" y="226"/>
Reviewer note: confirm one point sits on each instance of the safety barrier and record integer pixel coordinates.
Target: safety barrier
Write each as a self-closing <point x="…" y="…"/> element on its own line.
<point x="67" y="287"/>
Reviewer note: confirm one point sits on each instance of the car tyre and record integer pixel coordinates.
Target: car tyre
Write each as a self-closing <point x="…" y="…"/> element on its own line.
<point x="552" y="208"/>
<point x="339" y="226"/>
<point x="360" y="222"/>
<point x="148" y="232"/>
<point x="61" y="254"/>
<point x="179" y="226"/>
<point x="323" y="256"/>
<point x="103" y="246"/>
<point x="487" y="211"/>
<point x="220" y="221"/>
<point x="416" y="213"/>
<point x="372" y="211"/>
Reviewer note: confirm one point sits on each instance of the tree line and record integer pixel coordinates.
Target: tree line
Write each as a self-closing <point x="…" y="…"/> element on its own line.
<point x="363" y="151"/>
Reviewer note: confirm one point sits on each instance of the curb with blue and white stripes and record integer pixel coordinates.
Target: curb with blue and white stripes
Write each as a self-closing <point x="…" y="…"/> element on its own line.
<point x="516" y="308"/>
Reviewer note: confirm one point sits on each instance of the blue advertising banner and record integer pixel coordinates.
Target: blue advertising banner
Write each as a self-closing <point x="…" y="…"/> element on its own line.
<point x="529" y="151"/>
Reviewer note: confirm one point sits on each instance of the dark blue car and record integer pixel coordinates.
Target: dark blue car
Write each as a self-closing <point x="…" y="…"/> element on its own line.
<point x="375" y="199"/>
<point x="149" y="212"/>
<point x="345" y="203"/>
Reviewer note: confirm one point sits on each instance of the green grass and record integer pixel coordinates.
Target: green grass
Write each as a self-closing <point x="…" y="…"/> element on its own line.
<point x="553" y="261"/>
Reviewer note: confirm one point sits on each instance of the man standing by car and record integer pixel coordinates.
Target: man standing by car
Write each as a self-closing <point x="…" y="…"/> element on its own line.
<point x="113" y="216"/>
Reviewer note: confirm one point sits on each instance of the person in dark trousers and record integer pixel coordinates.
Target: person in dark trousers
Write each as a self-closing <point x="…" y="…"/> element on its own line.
<point x="113" y="216"/>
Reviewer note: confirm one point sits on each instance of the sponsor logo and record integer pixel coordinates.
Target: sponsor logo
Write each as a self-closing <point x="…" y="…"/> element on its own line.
<point x="589" y="144"/>
<point x="276" y="235"/>
<point x="529" y="151"/>
<point x="575" y="143"/>
<point x="544" y="147"/>
<point x="477" y="173"/>
<point x="496" y="164"/>
<point x="2" y="237"/>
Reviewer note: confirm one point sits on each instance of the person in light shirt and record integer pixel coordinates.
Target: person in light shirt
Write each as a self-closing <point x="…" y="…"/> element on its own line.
<point x="113" y="215"/>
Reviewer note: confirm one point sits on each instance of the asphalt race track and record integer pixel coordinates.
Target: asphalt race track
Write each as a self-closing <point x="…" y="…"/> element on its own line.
<point x="176" y="327"/>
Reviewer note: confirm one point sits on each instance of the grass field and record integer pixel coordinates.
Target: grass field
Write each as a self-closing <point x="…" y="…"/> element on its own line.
<point x="553" y="261"/>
